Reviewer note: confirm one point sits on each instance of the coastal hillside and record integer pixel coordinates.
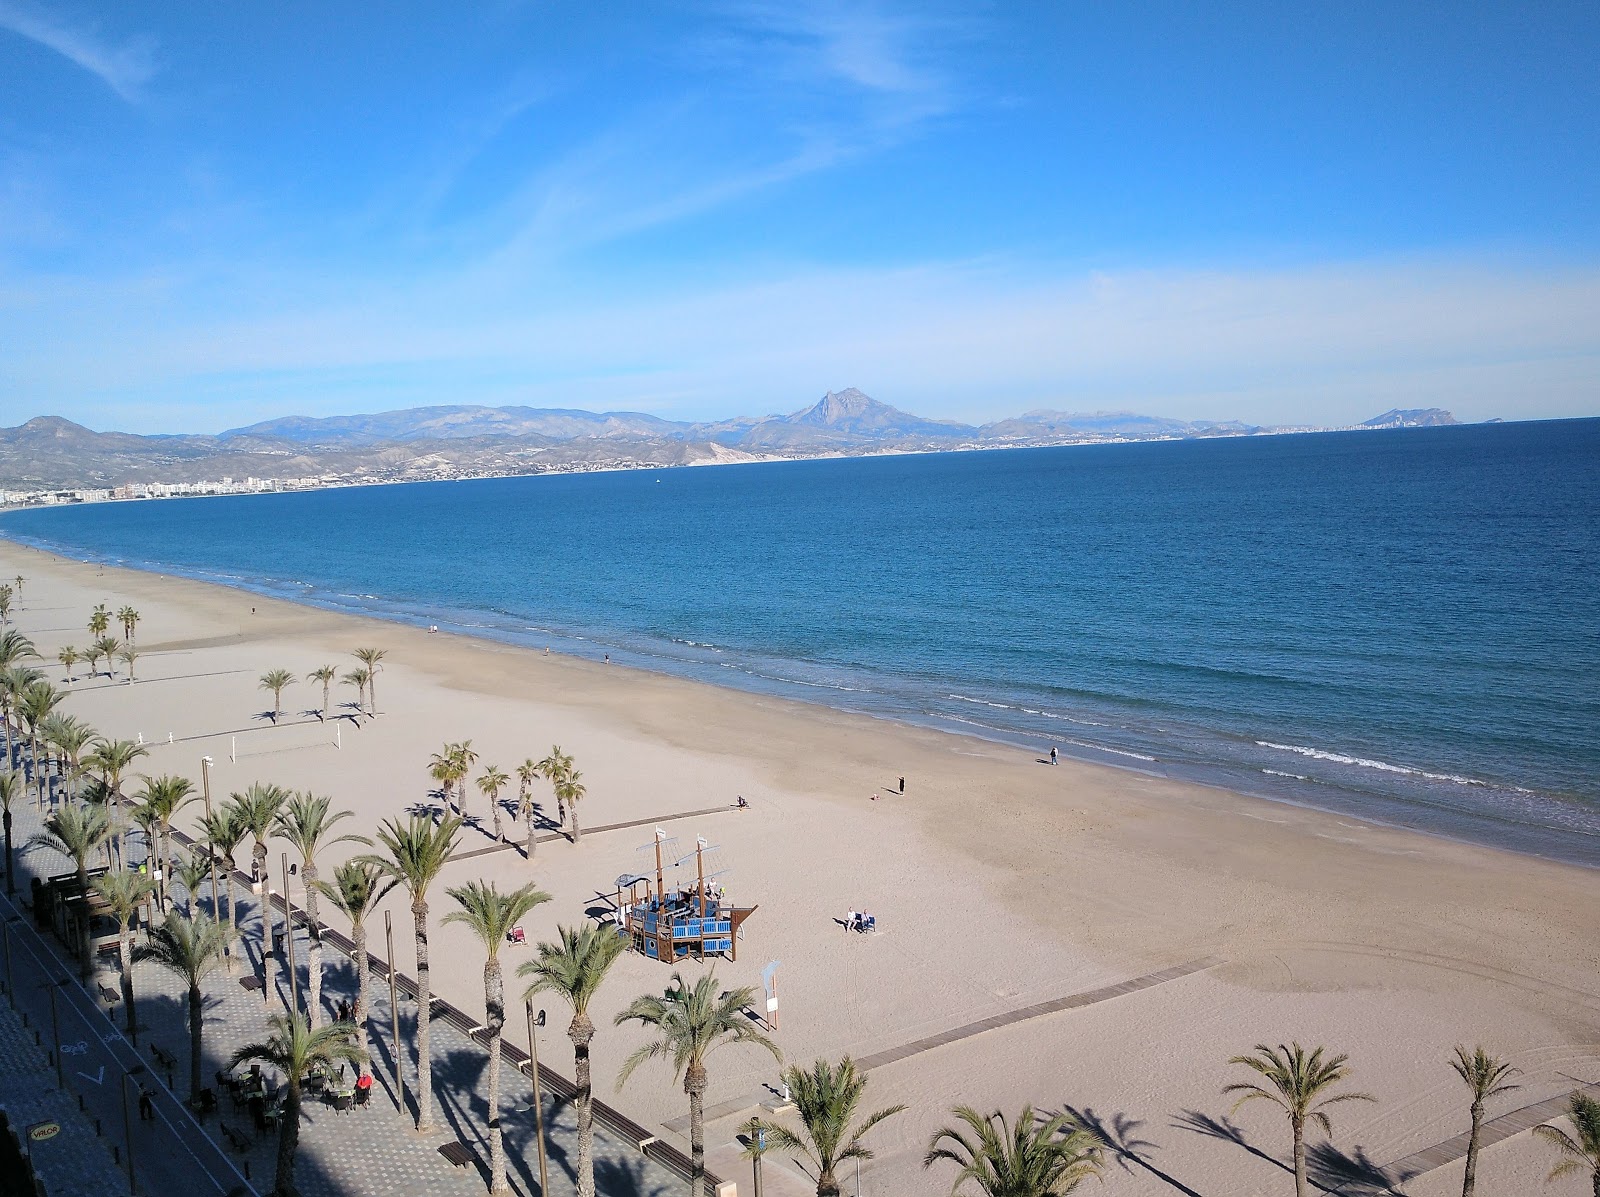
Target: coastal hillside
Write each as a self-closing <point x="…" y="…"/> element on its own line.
<point x="48" y="454"/>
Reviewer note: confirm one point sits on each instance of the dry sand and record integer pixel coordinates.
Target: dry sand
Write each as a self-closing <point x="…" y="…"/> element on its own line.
<point x="997" y="882"/>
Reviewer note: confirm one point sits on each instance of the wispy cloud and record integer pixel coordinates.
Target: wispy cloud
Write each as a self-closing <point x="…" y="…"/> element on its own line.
<point x="124" y="67"/>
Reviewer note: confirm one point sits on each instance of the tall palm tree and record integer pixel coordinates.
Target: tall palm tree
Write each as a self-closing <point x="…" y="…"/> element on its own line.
<point x="190" y="949"/>
<point x="99" y="620"/>
<point x="418" y="851"/>
<point x="553" y="769"/>
<point x="112" y="758"/>
<point x="258" y="809"/>
<point x="1297" y="1081"/>
<point x="128" y="654"/>
<point x="462" y="758"/>
<point x="295" y="1049"/>
<point x="69" y="656"/>
<point x="225" y="830"/>
<point x="569" y="792"/>
<point x="491" y="783"/>
<point x="1034" y="1157"/>
<point x="163" y="797"/>
<point x="125" y="891"/>
<point x="276" y="680"/>
<point x="109" y="646"/>
<point x="490" y="915"/>
<point x="190" y="870"/>
<point x="307" y="822"/>
<point x="369" y="658"/>
<point x="826" y="1098"/>
<point x="690" y="1024"/>
<point x="96" y="794"/>
<point x="526" y="772"/>
<point x="359" y="677"/>
<point x="574" y="968"/>
<point x="442" y="770"/>
<point x="129" y="619"/>
<point x="326" y="674"/>
<point x="358" y="886"/>
<point x="1582" y="1148"/>
<point x="76" y="832"/>
<point x="69" y="737"/>
<point x="35" y="704"/>
<point x="10" y="791"/>
<point x="1486" y="1077"/>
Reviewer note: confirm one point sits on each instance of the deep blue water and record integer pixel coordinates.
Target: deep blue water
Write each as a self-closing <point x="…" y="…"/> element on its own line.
<point x="1403" y="625"/>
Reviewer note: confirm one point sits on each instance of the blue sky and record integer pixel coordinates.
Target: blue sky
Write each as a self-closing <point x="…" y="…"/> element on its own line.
<point x="1284" y="213"/>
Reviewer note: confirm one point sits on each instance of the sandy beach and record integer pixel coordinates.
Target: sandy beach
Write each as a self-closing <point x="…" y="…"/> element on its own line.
<point x="998" y="882"/>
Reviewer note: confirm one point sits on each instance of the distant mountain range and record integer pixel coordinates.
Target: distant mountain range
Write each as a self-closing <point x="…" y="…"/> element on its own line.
<point x="461" y="441"/>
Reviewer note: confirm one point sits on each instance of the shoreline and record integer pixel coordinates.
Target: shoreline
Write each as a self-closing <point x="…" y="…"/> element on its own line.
<point x="998" y="885"/>
<point x="1534" y="840"/>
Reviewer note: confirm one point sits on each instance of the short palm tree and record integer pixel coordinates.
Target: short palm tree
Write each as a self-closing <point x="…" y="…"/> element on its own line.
<point x="1486" y="1077"/>
<point x="490" y="915"/>
<point x="574" y="969"/>
<point x="163" y="797"/>
<point x="295" y="1049"/>
<point x="109" y="646"/>
<point x="225" y="830"/>
<point x="1296" y="1081"/>
<point x="92" y="654"/>
<point x="129" y="619"/>
<point x="35" y="704"/>
<point x="125" y="891"/>
<point x="69" y="656"/>
<point x="358" y="886"/>
<point x="307" y="823"/>
<point x="569" y="792"/>
<point x="526" y="772"/>
<point x="418" y="850"/>
<point x="689" y="1024"/>
<point x="369" y="658"/>
<point x="191" y="871"/>
<point x="77" y="832"/>
<point x="491" y="783"/>
<point x="99" y="620"/>
<point x="276" y="680"/>
<point x="112" y="758"/>
<point x="326" y="674"/>
<point x="553" y="768"/>
<point x="462" y="758"/>
<point x="10" y="791"/>
<point x="128" y="654"/>
<point x="1034" y="1157"/>
<point x="826" y="1098"/>
<point x="1582" y="1147"/>
<point x="359" y="677"/>
<point x="190" y="949"/>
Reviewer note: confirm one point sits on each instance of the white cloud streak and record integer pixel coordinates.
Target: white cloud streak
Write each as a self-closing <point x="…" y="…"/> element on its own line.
<point x="125" y="68"/>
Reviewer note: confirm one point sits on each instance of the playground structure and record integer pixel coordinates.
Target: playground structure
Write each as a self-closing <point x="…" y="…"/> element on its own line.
<point x="690" y="920"/>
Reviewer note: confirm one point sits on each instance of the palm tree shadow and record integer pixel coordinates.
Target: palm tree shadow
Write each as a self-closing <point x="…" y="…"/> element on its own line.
<point x="426" y="810"/>
<point x="1351" y="1175"/>
<point x="623" y="1176"/>
<point x="1228" y="1131"/>
<point x="1118" y="1135"/>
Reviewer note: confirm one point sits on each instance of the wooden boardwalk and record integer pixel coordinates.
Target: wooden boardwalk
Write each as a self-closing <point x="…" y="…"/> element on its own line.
<point x="1073" y="1001"/>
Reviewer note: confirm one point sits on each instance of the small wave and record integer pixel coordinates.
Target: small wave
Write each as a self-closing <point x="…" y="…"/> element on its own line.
<point x="1065" y="718"/>
<point x="1138" y="756"/>
<point x="982" y="702"/>
<point x="1280" y="773"/>
<point x="1340" y="758"/>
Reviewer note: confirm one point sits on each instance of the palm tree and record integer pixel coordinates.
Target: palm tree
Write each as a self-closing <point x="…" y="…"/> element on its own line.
<point x="491" y="783"/>
<point x="1296" y="1081"/>
<point x="275" y="680"/>
<point x="258" y="809"/>
<point x="15" y="648"/>
<point x="225" y="829"/>
<point x="826" y="1098"/>
<point x="553" y="768"/>
<point x="128" y="654"/>
<point x="442" y="770"/>
<point x="35" y="704"/>
<point x="6" y="595"/>
<point x="418" y="851"/>
<point x="574" y="968"/>
<point x="569" y="792"/>
<point x="1582" y="1149"/>
<point x="462" y="758"/>
<point x="69" y="737"/>
<point x="359" y="678"/>
<point x="99" y="620"/>
<point x="190" y="949"/>
<point x="76" y="832"/>
<point x="326" y="674"/>
<point x="191" y="871"/>
<point x="526" y="772"/>
<point x="1035" y="1157"/>
<point x="10" y="789"/>
<point x="358" y="886"/>
<point x="112" y="758"/>
<point x="1486" y="1077"/>
<point x="163" y="797"/>
<point x="690" y="1024"/>
<point x="109" y="646"/>
<point x="128" y="618"/>
<point x="491" y="914"/>
<point x="92" y="654"/>
<point x="369" y="658"/>
<point x="69" y="656"/>
<point x="306" y="822"/>
<point x="295" y="1049"/>
<point x="125" y="891"/>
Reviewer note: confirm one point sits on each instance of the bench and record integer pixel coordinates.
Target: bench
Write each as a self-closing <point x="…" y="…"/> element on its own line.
<point x="458" y="1153"/>
<point x="163" y="1057"/>
<point x="238" y="1140"/>
<point x="109" y="996"/>
<point x="251" y="983"/>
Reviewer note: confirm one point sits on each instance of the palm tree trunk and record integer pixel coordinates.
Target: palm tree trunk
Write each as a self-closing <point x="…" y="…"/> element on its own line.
<point x="308" y="871"/>
<point x="125" y="959"/>
<point x="577" y="832"/>
<point x="288" y="1139"/>
<point x="494" y="801"/>
<point x="419" y="916"/>
<point x="528" y="817"/>
<point x="372" y="689"/>
<point x="581" y="1032"/>
<point x="11" y="884"/>
<point x="827" y="1186"/>
<point x="494" y="1009"/>
<point x="1469" y="1180"/>
<point x="86" y="936"/>
<point x="363" y="974"/>
<point x="195" y="1001"/>
<point x="694" y="1084"/>
<point x="1299" y="1158"/>
<point x="326" y="689"/>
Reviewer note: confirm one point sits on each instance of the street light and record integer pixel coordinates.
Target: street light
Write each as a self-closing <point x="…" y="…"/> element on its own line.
<point x="211" y="849"/>
<point x="537" y="1104"/>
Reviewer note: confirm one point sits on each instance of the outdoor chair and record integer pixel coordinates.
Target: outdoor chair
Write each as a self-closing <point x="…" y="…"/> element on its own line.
<point x="343" y="1102"/>
<point x="364" y="1096"/>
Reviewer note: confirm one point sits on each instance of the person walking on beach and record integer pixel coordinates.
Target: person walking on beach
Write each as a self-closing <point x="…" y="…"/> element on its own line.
<point x="902" y="785"/>
<point x="1053" y="760"/>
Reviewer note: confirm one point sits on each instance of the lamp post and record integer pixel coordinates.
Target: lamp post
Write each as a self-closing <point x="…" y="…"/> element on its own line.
<point x="394" y="1013"/>
<point x="538" y="1102"/>
<point x="211" y="848"/>
<point x="288" y="939"/>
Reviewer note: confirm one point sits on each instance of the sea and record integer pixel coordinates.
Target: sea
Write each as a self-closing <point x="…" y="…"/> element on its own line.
<point x="1401" y="625"/>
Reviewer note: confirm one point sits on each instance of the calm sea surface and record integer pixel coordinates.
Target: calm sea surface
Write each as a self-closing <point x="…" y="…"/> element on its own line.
<point x="1401" y="625"/>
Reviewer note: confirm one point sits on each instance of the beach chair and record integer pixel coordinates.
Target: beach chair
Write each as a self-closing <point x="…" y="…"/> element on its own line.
<point x="515" y="935"/>
<point x="871" y="924"/>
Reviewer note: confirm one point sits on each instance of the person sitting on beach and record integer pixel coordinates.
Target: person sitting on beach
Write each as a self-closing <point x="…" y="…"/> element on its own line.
<point x="850" y="920"/>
